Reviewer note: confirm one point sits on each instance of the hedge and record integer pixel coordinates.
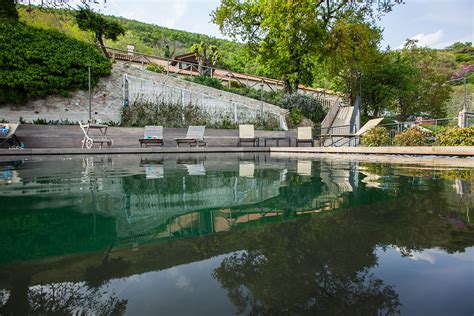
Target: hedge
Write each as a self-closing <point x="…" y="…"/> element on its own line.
<point x="36" y="62"/>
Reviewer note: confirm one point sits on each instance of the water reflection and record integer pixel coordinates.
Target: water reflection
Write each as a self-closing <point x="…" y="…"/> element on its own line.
<point x="292" y="236"/>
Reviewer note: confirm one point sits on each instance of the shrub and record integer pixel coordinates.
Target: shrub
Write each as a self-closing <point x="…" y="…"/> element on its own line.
<point x="310" y="107"/>
<point x="413" y="136"/>
<point x="36" y="62"/>
<point x="236" y="84"/>
<point x="435" y="129"/>
<point x="295" y="117"/>
<point x="456" y="136"/>
<point x="377" y="136"/>
<point x="208" y="81"/>
<point x="169" y="114"/>
<point x="42" y="121"/>
<point x="155" y="68"/>
<point x="159" y="112"/>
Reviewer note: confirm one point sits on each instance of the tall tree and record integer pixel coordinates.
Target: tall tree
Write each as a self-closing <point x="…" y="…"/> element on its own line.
<point x="420" y="87"/>
<point x="351" y="48"/>
<point x="288" y="34"/>
<point x="206" y="56"/>
<point x="102" y="27"/>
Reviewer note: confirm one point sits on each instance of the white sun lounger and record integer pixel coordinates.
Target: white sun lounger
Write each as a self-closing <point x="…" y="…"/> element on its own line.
<point x="152" y="135"/>
<point x="305" y="135"/>
<point x="194" y="137"/>
<point x="247" y="135"/>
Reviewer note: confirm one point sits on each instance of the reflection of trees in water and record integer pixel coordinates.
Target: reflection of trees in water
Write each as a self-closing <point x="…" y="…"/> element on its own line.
<point x="322" y="264"/>
<point x="60" y="299"/>
<point x="304" y="267"/>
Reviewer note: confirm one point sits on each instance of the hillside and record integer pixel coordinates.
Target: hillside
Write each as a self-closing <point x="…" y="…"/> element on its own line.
<point x="165" y="42"/>
<point x="147" y="38"/>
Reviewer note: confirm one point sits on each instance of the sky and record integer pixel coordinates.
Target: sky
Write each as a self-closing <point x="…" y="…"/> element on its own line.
<point x="434" y="23"/>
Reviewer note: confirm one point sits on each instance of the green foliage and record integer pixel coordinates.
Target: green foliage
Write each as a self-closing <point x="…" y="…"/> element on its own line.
<point x="208" y="81"/>
<point x="463" y="57"/>
<point x="413" y="136"/>
<point x="406" y="82"/>
<point x="168" y="114"/>
<point x="435" y="129"/>
<point x="272" y="97"/>
<point x="350" y="51"/>
<point x="456" y="136"/>
<point x="236" y="84"/>
<point x="42" y="121"/>
<point x="377" y="136"/>
<point x="310" y="107"/>
<point x="459" y="46"/>
<point x="295" y="117"/>
<point x="206" y="56"/>
<point x="156" y="68"/>
<point x="88" y="20"/>
<point x="287" y="36"/>
<point x="36" y="62"/>
<point x="8" y="12"/>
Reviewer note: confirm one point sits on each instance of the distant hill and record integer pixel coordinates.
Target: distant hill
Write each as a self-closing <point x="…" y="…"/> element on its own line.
<point x="147" y="38"/>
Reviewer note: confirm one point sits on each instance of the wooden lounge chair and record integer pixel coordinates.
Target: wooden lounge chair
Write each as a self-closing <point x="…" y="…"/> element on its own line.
<point x="364" y="129"/>
<point x="11" y="139"/>
<point x="153" y="135"/>
<point x="247" y="134"/>
<point x="194" y="137"/>
<point x="304" y="136"/>
<point x="89" y="140"/>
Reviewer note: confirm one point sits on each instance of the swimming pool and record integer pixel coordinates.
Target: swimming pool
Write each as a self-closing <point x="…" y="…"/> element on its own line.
<point x="224" y="234"/>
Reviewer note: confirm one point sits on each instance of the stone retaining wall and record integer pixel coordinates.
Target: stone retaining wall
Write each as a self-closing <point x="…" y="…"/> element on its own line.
<point x="107" y="98"/>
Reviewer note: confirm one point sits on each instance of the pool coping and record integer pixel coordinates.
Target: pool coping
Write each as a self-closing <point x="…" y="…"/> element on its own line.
<point x="455" y="151"/>
<point x="459" y="151"/>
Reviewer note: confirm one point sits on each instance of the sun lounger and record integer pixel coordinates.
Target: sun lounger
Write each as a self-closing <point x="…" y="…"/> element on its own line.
<point x="247" y="135"/>
<point x="194" y="137"/>
<point x="89" y="140"/>
<point x="196" y="169"/>
<point x="153" y="135"/>
<point x="246" y="169"/>
<point x="10" y="138"/>
<point x="364" y="129"/>
<point x="303" y="167"/>
<point x="304" y="136"/>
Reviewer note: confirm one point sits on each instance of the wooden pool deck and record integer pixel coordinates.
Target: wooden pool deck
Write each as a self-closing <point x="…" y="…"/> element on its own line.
<point x="66" y="140"/>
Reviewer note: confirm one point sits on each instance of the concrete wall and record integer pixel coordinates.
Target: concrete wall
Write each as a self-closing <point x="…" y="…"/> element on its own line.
<point x="108" y="98"/>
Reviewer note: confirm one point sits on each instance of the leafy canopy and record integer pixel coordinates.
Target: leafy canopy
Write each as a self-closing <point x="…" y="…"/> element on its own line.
<point x="102" y="27"/>
<point x="206" y="56"/>
<point x="288" y="35"/>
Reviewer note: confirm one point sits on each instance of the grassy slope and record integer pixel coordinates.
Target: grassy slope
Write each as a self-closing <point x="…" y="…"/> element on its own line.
<point x="147" y="38"/>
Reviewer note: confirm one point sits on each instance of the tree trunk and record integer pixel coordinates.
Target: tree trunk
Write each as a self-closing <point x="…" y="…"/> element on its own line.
<point x="102" y="45"/>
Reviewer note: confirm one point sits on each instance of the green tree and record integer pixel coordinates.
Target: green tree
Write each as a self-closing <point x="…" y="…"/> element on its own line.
<point x="8" y="11"/>
<point x="102" y="27"/>
<point x="420" y="82"/>
<point x="206" y="56"/>
<point x="352" y="49"/>
<point x="288" y="35"/>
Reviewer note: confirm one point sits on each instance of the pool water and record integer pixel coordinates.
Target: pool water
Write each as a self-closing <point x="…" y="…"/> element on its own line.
<point x="227" y="234"/>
